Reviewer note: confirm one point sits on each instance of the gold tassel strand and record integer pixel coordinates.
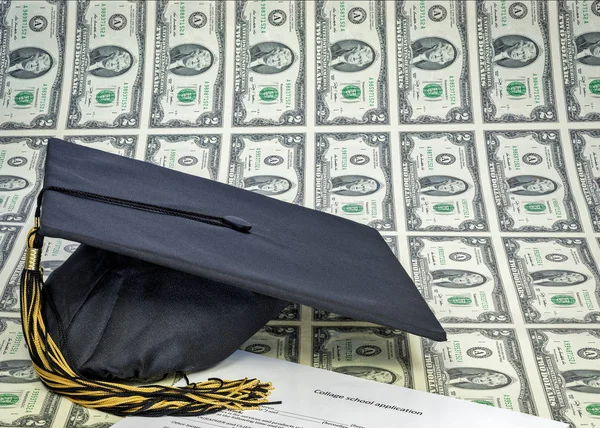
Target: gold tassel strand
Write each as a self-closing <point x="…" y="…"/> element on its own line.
<point x="122" y="400"/>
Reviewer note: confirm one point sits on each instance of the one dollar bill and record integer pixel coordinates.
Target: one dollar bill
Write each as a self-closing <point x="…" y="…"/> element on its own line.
<point x="108" y="68"/>
<point x="529" y="181"/>
<point x="32" y="48"/>
<point x="515" y="62"/>
<point x="567" y="363"/>
<point x="579" y="31"/>
<point x="351" y="62"/>
<point x="270" y="63"/>
<point x="433" y="62"/>
<point x="189" y="64"/>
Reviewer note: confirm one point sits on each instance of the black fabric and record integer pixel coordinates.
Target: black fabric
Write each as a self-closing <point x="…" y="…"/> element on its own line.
<point x="115" y="317"/>
<point x="290" y="253"/>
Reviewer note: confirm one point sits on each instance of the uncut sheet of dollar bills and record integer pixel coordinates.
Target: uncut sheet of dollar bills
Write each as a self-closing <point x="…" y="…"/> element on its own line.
<point x="466" y="132"/>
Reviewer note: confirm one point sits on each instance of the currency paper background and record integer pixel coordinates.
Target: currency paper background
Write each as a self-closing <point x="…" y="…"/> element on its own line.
<point x="466" y="132"/>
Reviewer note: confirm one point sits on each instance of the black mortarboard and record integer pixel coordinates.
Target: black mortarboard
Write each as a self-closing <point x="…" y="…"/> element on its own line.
<point x="175" y="272"/>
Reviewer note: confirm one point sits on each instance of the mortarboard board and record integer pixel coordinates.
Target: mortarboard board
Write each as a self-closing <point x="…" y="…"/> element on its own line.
<point x="175" y="272"/>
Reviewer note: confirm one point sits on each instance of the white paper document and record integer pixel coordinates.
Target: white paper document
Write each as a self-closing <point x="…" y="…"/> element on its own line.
<point x="314" y="397"/>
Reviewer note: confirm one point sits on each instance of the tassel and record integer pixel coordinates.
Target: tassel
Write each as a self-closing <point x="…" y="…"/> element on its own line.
<point x="54" y="371"/>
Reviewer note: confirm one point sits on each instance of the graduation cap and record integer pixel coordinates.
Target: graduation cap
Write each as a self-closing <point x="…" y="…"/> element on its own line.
<point x="175" y="272"/>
